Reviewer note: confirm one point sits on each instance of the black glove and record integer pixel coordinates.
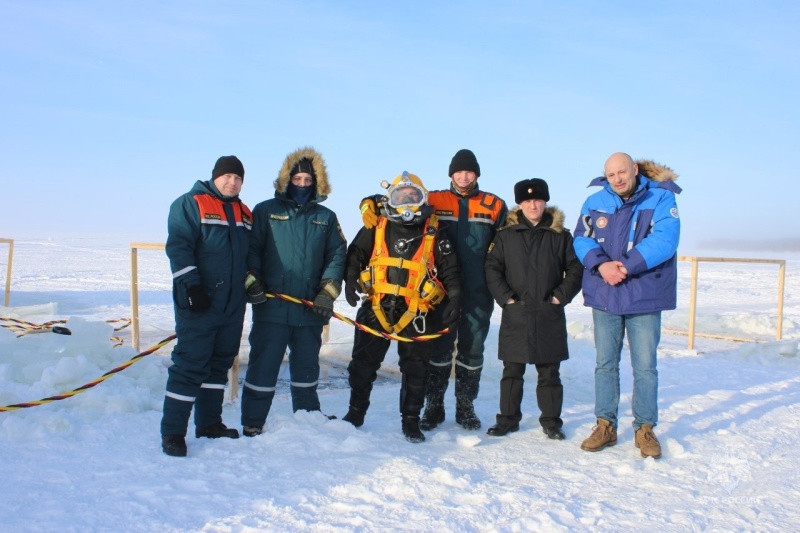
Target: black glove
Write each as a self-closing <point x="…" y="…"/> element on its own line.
<point x="350" y="293"/>
<point x="328" y="292"/>
<point x="451" y="311"/>
<point x="255" y="288"/>
<point x="198" y="299"/>
<point x="323" y="304"/>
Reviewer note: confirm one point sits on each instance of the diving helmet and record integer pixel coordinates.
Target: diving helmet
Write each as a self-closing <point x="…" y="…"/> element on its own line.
<point x="406" y="197"/>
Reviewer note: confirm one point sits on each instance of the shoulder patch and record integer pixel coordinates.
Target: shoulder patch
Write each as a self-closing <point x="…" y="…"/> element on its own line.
<point x="341" y="233"/>
<point x="491" y="247"/>
<point x="674" y="212"/>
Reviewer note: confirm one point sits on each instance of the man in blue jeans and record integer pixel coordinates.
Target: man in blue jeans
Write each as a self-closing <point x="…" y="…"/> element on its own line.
<point x="627" y="239"/>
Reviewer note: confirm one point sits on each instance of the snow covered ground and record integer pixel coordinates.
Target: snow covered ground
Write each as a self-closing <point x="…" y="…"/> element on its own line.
<point x="730" y="419"/>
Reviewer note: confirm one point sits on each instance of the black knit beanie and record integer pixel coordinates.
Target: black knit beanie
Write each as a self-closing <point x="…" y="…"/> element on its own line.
<point x="533" y="189"/>
<point x="304" y="165"/>
<point x="227" y="164"/>
<point x="464" y="160"/>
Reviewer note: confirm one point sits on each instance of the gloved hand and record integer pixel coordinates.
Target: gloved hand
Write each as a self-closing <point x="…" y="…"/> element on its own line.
<point x="369" y="212"/>
<point x="198" y="299"/>
<point x="323" y="304"/>
<point x="451" y="311"/>
<point x="350" y="293"/>
<point x="328" y="292"/>
<point x="255" y="288"/>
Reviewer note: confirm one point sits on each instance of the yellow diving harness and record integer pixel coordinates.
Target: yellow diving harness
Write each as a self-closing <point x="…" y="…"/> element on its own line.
<point x="422" y="291"/>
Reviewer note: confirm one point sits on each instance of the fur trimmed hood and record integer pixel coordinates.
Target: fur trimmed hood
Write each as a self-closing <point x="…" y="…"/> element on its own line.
<point x="557" y="215"/>
<point x="655" y="171"/>
<point x="317" y="162"/>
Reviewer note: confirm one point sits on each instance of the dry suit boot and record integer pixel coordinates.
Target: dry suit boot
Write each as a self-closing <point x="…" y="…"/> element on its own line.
<point x="359" y="403"/>
<point x="355" y="416"/>
<point x="412" y="394"/>
<point x="647" y="442"/>
<point x="174" y="445"/>
<point x="603" y="434"/>
<point x="411" y="429"/>
<point x="216" y="431"/>
<point x="467" y="383"/>
<point x="438" y="379"/>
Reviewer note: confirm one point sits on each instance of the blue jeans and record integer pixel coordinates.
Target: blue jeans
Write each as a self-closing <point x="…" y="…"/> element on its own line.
<point x="644" y="334"/>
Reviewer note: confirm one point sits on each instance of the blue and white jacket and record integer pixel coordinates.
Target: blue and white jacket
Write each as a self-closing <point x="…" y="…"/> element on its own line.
<point x="641" y="232"/>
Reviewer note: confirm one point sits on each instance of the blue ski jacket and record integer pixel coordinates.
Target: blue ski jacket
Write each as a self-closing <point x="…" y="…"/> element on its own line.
<point x="641" y="232"/>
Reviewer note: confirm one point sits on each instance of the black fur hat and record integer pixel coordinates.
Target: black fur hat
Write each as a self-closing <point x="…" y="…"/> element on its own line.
<point x="532" y="189"/>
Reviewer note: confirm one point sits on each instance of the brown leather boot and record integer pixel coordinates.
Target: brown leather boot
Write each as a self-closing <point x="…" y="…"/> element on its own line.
<point x="647" y="442"/>
<point x="603" y="434"/>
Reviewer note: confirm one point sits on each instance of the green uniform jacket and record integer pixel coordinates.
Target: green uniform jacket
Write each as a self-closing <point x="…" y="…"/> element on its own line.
<point x="207" y="245"/>
<point x="295" y="248"/>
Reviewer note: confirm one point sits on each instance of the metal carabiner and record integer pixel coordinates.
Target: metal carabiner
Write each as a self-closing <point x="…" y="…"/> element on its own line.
<point x="420" y="317"/>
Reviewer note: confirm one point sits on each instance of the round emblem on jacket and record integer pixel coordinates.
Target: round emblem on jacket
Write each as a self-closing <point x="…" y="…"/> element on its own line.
<point x="445" y="247"/>
<point x="602" y="222"/>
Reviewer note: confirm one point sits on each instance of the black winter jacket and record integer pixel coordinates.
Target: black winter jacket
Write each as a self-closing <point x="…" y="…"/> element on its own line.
<point x="531" y="264"/>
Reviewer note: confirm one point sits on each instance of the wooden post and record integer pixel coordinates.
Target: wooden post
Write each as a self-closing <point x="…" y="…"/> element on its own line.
<point x="10" y="243"/>
<point x="233" y="379"/>
<point x="134" y="299"/>
<point x="781" y="280"/>
<point x="693" y="303"/>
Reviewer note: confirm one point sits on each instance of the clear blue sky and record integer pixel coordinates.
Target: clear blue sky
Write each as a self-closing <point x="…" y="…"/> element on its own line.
<point x="111" y="109"/>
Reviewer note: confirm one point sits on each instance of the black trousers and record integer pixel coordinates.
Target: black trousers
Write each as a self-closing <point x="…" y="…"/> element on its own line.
<point x="369" y="351"/>
<point x="549" y="394"/>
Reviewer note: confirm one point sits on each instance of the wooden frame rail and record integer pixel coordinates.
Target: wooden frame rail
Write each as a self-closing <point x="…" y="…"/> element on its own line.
<point x="693" y="296"/>
<point x="10" y="243"/>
